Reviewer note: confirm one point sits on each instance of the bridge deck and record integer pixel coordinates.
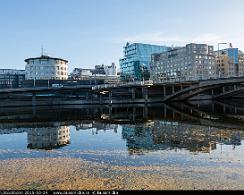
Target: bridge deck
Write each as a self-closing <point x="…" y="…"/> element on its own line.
<point x="43" y="89"/>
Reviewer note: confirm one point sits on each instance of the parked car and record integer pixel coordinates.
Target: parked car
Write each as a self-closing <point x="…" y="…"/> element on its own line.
<point x="57" y="85"/>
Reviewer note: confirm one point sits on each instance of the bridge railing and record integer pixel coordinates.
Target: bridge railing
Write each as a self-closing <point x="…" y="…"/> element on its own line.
<point x="105" y="86"/>
<point x="136" y="83"/>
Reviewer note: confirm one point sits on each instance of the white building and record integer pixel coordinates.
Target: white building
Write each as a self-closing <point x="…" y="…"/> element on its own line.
<point x="45" y="68"/>
<point x="81" y="74"/>
<point x="110" y="70"/>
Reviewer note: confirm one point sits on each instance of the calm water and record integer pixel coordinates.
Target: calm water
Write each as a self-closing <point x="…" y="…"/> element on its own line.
<point x="192" y="134"/>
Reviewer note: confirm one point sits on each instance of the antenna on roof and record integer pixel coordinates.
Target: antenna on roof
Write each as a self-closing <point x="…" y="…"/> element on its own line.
<point x="42" y="51"/>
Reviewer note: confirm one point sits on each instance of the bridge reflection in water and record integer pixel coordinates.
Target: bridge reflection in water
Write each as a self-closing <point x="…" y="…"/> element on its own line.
<point x="191" y="126"/>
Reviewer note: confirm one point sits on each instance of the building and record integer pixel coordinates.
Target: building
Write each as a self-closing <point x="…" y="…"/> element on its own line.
<point x="111" y="70"/>
<point x="232" y="53"/>
<point x="226" y="66"/>
<point x="135" y="65"/>
<point x="105" y="70"/>
<point x="192" y="62"/>
<point x="99" y="70"/>
<point x="46" y="68"/>
<point x="11" y="78"/>
<point x="100" y="74"/>
<point x="227" y="61"/>
<point x="48" y="138"/>
<point x="241" y="65"/>
<point x="81" y="74"/>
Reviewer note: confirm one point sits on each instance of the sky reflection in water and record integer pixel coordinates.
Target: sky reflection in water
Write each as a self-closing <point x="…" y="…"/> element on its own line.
<point x="171" y="139"/>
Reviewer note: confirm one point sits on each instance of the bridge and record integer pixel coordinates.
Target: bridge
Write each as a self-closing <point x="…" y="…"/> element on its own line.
<point x="134" y="92"/>
<point x="150" y="92"/>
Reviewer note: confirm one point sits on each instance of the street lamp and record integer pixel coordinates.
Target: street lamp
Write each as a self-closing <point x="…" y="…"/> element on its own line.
<point x="219" y="55"/>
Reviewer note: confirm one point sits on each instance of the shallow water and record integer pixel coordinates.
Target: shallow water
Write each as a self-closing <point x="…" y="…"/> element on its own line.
<point x="200" y="145"/>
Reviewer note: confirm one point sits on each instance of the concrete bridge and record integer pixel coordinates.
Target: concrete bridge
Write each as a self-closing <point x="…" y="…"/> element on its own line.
<point x="149" y="92"/>
<point x="44" y="89"/>
<point x="130" y="93"/>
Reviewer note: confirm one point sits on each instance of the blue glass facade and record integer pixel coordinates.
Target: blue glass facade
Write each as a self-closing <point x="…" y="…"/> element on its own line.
<point x="137" y="58"/>
<point x="233" y="54"/>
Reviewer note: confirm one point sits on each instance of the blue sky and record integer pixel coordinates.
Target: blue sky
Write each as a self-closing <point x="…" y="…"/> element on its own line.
<point x="90" y="32"/>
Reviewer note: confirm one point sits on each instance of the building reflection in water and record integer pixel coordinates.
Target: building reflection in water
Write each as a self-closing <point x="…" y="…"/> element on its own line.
<point x="196" y="128"/>
<point x="96" y="126"/>
<point x="163" y="135"/>
<point x="48" y="137"/>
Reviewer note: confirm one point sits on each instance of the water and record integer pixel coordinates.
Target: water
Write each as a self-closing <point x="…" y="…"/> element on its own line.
<point x="181" y="136"/>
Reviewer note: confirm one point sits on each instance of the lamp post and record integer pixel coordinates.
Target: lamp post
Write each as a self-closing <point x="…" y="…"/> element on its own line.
<point x="219" y="55"/>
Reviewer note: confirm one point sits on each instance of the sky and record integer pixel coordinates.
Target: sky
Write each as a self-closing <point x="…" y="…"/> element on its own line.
<point x="91" y="32"/>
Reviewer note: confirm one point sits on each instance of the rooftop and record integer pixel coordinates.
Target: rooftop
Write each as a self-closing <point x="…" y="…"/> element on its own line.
<point x="45" y="57"/>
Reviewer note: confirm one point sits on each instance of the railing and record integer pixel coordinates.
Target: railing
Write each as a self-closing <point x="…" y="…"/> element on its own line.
<point x="136" y="83"/>
<point x="166" y="81"/>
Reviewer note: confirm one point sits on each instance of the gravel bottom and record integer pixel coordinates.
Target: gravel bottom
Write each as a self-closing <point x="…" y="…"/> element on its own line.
<point x="77" y="174"/>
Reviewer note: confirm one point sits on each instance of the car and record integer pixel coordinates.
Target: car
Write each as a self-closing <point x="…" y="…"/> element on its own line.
<point x="57" y="85"/>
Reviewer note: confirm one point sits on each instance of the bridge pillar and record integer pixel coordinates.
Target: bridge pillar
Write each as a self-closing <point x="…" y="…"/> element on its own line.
<point x="145" y="94"/>
<point x="87" y="96"/>
<point x="34" y="104"/>
<point x="182" y="117"/>
<point x="173" y="89"/>
<point x="110" y="97"/>
<point x="110" y="111"/>
<point x="164" y="88"/>
<point x="236" y="110"/>
<point x="100" y="98"/>
<point x="224" y="108"/>
<point x="134" y="114"/>
<point x="145" y="112"/>
<point x="223" y="89"/>
<point x="165" y="111"/>
<point x="235" y="87"/>
<point x="34" y="100"/>
<point x="133" y="93"/>
<point x="213" y="108"/>
<point x="181" y="87"/>
<point x="212" y="92"/>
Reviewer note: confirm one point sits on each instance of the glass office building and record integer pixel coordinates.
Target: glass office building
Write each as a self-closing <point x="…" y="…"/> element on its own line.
<point x="135" y="65"/>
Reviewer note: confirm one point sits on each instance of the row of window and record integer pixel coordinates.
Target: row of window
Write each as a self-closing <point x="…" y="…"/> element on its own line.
<point x="47" y="68"/>
<point x="47" y="73"/>
<point x="46" y="61"/>
<point x="47" y="78"/>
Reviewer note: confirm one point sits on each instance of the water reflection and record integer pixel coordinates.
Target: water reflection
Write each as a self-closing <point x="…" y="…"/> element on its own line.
<point x="197" y="127"/>
<point x="162" y="135"/>
<point x="48" y="138"/>
<point x="96" y="126"/>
